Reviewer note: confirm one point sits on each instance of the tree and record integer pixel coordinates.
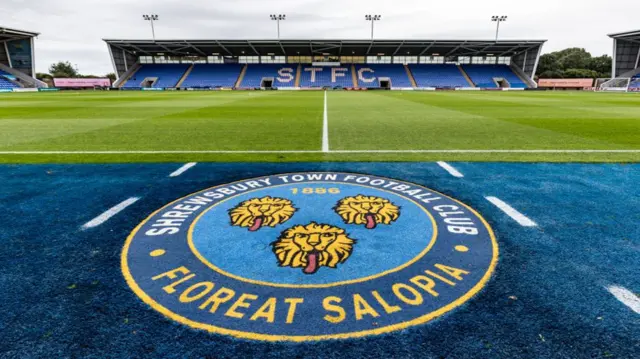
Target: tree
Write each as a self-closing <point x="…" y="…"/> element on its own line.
<point x="63" y="69"/>
<point x="111" y="76"/>
<point x="552" y="74"/>
<point x="48" y="79"/>
<point x="42" y="76"/>
<point x="573" y="62"/>
<point x="573" y="58"/>
<point x="580" y="74"/>
<point x="548" y="63"/>
<point x="601" y="64"/>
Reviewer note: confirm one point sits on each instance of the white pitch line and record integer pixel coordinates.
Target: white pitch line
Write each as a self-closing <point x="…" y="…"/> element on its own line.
<point x="182" y="169"/>
<point x="512" y="212"/>
<point x="485" y="151"/>
<point x="325" y="126"/>
<point x="625" y="296"/>
<point x="109" y="213"/>
<point x="115" y="152"/>
<point x="124" y="152"/>
<point x="449" y="168"/>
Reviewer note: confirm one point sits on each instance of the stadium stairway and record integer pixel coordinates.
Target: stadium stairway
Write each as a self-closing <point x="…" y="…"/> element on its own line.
<point x="241" y="76"/>
<point x="213" y="75"/>
<point x="369" y="75"/>
<point x="411" y="78"/>
<point x="298" y="74"/>
<point x="439" y="76"/>
<point x="522" y="76"/>
<point x="127" y="75"/>
<point x="354" y="78"/>
<point x="471" y="84"/>
<point x="484" y="75"/>
<point x="184" y="77"/>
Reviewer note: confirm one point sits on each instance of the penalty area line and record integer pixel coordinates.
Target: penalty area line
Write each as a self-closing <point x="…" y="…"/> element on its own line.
<point x="511" y="212"/>
<point x="182" y="169"/>
<point x="106" y="215"/>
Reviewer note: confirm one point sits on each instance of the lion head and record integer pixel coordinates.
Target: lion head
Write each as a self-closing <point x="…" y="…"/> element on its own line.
<point x="258" y="212"/>
<point x="312" y="246"/>
<point x="367" y="210"/>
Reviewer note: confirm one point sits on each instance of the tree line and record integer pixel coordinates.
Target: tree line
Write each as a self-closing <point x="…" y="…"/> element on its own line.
<point x="64" y="69"/>
<point x="573" y="63"/>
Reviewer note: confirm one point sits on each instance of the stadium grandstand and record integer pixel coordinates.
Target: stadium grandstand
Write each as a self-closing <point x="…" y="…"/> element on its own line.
<point x="625" y="70"/>
<point x="305" y="64"/>
<point x="17" y="64"/>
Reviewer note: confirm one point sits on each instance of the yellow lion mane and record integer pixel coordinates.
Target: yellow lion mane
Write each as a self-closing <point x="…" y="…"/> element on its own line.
<point x="278" y="211"/>
<point x="336" y="250"/>
<point x="352" y="212"/>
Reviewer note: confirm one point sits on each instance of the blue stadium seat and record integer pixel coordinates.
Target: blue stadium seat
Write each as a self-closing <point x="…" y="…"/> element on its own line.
<point x="210" y="75"/>
<point x="4" y="83"/>
<point x="168" y="75"/>
<point x="322" y="76"/>
<point x="483" y="75"/>
<point x="284" y="75"/>
<point x="439" y="75"/>
<point x="369" y="75"/>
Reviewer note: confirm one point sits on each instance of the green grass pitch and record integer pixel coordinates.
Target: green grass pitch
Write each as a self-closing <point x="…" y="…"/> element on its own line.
<point x="362" y="126"/>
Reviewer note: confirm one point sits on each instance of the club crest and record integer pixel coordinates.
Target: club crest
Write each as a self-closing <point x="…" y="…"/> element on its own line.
<point x="309" y="256"/>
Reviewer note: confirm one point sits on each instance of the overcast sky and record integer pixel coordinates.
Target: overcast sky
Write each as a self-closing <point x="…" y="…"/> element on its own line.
<point x="72" y="30"/>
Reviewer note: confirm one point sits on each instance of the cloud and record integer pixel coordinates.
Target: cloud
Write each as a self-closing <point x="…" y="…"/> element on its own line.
<point x="72" y="30"/>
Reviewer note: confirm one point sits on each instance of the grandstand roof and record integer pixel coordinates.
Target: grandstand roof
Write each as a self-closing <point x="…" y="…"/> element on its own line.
<point x="627" y="35"/>
<point x="326" y="47"/>
<point x="626" y="53"/>
<point x="7" y="34"/>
